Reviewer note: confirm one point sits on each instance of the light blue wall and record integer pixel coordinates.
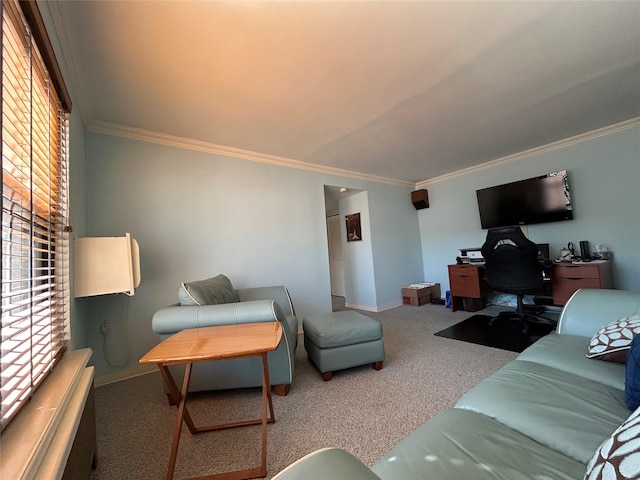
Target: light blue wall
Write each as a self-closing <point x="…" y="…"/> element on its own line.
<point x="604" y="177"/>
<point x="395" y="262"/>
<point x="377" y="267"/>
<point x="196" y="215"/>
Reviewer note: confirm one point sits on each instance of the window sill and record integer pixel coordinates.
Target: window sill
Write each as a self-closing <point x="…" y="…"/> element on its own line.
<point x="36" y="443"/>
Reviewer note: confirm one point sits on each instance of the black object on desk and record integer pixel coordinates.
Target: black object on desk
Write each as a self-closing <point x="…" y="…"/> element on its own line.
<point x="585" y="251"/>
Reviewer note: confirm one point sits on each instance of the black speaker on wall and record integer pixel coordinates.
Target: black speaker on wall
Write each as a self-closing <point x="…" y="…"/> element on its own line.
<point x="420" y="199"/>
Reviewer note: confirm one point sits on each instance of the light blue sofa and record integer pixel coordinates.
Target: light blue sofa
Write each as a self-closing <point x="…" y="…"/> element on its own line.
<point x="260" y="304"/>
<point x="540" y="417"/>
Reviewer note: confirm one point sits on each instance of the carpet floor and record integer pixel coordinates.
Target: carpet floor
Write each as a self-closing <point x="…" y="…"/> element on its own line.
<point x="361" y="410"/>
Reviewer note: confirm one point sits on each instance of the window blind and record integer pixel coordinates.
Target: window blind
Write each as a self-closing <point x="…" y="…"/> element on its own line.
<point x="35" y="247"/>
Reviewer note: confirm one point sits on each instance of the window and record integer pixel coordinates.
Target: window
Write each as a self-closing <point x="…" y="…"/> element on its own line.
<point x="35" y="249"/>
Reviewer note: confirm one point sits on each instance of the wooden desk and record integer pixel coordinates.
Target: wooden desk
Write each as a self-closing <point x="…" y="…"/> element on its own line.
<point x="217" y="343"/>
<point x="468" y="286"/>
<point x="566" y="278"/>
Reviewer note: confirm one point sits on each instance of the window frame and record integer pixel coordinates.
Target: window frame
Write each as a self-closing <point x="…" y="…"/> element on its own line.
<point x="35" y="246"/>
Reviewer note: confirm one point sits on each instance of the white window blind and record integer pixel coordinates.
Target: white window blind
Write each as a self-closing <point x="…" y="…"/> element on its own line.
<point x="34" y="212"/>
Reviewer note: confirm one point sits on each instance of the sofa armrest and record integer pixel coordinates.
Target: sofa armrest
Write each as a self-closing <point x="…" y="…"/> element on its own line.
<point x="589" y="309"/>
<point x="173" y="319"/>
<point x="326" y="463"/>
<point x="278" y="293"/>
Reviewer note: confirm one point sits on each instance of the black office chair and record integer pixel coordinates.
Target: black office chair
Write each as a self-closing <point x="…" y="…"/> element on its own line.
<point x="512" y="266"/>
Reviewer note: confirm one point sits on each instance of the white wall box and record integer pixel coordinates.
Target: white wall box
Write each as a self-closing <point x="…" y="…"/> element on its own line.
<point x="105" y="265"/>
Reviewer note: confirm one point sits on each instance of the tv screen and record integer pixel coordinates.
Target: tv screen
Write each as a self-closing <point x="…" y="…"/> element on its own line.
<point x="534" y="200"/>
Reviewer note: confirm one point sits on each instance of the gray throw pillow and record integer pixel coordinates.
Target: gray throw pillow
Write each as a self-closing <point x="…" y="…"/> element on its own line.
<point x="212" y="291"/>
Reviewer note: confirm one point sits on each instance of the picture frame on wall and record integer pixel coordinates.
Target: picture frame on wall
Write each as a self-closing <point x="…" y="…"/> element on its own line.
<point x="354" y="230"/>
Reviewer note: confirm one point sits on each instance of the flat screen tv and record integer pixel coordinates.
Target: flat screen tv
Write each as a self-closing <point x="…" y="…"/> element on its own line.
<point x="535" y="200"/>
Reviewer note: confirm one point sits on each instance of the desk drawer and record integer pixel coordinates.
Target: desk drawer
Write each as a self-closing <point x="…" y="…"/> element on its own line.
<point x="563" y="288"/>
<point x="463" y="270"/>
<point x="576" y="271"/>
<point x="465" y="286"/>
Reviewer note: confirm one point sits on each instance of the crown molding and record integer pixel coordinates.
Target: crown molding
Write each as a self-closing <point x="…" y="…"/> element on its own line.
<point x="60" y="31"/>
<point x="142" y="135"/>
<point x="567" y="142"/>
<point x="148" y="136"/>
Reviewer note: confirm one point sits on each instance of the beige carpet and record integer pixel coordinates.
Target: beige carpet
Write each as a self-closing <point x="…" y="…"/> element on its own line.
<point x="361" y="410"/>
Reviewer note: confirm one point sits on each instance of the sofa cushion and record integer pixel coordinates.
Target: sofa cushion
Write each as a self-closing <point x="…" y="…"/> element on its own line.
<point x="212" y="291"/>
<point x="555" y="408"/>
<point x="566" y="352"/>
<point x="619" y="455"/>
<point x="459" y="444"/>
<point x="612" y="342"/>
<point x="632" y="379"/>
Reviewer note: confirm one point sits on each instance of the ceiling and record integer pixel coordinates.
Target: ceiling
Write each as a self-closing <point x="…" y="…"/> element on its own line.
<point x="403" y="91"/>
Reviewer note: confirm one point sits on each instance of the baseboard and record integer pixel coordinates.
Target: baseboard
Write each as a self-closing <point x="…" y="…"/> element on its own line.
<point x="375" y="309"/>
<point x="390" y="306"/>
<point x="366" y="308"/>
<point x="126" y="374"/>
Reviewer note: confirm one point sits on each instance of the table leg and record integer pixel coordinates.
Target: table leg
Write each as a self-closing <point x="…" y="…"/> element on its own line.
<point x="174" y="392"/>
<point x="184" y="416"/>
<point x="267" y="403"/>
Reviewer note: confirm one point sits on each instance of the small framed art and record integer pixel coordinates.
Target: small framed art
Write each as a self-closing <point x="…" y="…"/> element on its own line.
<point x="354" y="231"/>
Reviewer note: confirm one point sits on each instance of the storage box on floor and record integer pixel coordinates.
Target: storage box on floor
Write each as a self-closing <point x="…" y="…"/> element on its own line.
<point x="420" y="293"/>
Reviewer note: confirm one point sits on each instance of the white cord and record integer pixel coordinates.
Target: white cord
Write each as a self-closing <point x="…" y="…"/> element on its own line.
<point x="105" y="349"/>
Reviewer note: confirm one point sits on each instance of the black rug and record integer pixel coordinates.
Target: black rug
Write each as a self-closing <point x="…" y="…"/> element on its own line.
<point x="503" y="334"/>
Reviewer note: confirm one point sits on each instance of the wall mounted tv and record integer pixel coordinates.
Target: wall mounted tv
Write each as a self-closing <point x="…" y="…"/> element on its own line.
<point x="535" y="200"/>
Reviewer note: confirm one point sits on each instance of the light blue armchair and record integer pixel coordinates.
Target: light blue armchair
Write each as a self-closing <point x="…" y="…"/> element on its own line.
<point x="261" y="304"/>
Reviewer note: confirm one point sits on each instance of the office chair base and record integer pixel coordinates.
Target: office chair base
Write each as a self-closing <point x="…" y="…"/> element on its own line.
<point x="510" y="317"/>
<point x="524" y="320"/>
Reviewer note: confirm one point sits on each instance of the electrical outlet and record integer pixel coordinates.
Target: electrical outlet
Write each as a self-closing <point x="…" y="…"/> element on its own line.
<point x="104" y="327"/>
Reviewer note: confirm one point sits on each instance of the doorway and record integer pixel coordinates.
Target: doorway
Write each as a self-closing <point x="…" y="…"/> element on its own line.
<point x="332" y="197"/>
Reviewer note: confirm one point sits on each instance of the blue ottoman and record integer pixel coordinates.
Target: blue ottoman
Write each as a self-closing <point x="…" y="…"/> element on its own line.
<point x="339" y="340"/>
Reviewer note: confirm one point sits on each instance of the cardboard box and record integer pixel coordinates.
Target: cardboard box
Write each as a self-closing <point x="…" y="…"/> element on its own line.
<point x="434" y="290"/>
<point x="416" y="295"/>
<point x="419" y="294"/>
<point x="416" y="302"/>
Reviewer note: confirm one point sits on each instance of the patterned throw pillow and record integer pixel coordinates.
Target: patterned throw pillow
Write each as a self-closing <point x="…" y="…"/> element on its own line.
<point x="612" y="342"/>
<point x="618" y="457"/>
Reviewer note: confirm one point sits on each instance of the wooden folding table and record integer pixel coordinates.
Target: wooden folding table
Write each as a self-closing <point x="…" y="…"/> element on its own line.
<point x="217" y="343"/>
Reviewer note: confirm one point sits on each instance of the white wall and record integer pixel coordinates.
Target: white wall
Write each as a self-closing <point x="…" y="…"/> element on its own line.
<point x="196" y="215"/>
<point x="604" y="178"/>
<point x="357" y="256"/>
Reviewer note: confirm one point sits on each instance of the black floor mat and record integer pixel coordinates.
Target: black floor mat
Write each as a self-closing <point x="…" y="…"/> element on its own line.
<point x="503" y="334"/>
